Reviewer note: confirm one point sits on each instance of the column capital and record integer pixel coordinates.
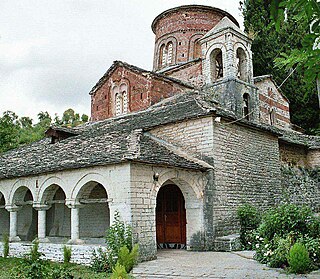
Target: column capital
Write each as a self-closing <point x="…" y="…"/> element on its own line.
<point x="40" y="206"/>
<point x="12" y="208"/>
<point x="74" y="204"/>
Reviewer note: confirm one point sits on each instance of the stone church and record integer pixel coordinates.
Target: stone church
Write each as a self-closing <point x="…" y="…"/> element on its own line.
<point x="174" y="150"/>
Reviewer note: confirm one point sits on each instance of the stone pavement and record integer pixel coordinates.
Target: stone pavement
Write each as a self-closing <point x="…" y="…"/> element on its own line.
<point x="178" y="264"/>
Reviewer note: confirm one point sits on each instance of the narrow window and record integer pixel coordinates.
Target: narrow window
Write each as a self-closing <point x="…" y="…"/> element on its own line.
<point x="124" y="98"/>
<point x="162" y="58"/>
<point x="272" y="116"/>
<point x="242" y="71"/>
<point x="216" y="64"/>
<point x="118" y="104"/>
<point x="246" y="106"/>
<point x="169" y="53"/>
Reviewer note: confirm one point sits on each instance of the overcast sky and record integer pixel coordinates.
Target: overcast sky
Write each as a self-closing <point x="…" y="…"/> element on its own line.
<point x="52" y="52"/>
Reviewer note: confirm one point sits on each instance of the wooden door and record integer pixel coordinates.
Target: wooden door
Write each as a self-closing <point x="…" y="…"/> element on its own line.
<point x="171" y="215"/>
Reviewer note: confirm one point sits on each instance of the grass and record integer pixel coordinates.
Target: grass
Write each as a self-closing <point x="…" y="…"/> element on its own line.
<point x="78" y="271"/>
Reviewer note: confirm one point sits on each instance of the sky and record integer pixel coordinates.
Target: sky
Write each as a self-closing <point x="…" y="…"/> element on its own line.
<point x="52" y="52"/>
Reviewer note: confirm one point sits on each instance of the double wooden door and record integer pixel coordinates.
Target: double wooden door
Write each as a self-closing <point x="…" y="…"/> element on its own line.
<point x="170" y="215"/>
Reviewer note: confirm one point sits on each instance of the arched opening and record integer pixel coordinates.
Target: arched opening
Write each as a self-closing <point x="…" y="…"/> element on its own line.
<point x="163" y="56"/>
<point x="170" y="217"/>
<point x="94" y="213"/>
<point x="58" y="215"/>
<point x="27" y="219"/>
<point x="197" y="49"/>
<point x="242" y="65"/>
<point x="216" y="62"/>
<point x="169" y="53"/>
<point x="124" y="97"/>
<point x="246" y="106"/>
<point x="4" y="217"/>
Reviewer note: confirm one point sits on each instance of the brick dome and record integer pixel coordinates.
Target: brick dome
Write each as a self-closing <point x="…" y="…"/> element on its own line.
<point x="177" y="31"/>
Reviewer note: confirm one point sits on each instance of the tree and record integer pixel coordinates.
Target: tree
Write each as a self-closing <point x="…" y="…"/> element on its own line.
<point x="9" y="130"/>
<point x="271" y="43"/>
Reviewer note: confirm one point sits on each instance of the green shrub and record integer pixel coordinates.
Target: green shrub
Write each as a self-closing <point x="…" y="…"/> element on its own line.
<point x="299" y="261"/>
<point x="250" y="219"/>
<point x="118" y="235"/>
<point x="128" y="259"/>
<point x="100" y="261"/>
<point x="119" y="272"/>
<point x="285" y="219"/>
<point x="6" y="246"/>
<point x="313" y="247"/>
<point x="67" y="252"/>
<point x="279" y="257"/>
<point x="60" y="272"/>
<point x="31" y="266"/>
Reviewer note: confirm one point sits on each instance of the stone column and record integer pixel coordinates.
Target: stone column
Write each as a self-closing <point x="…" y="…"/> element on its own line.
<point x="75" y="224"/>
<point x="13" y="223"/>
<point x="42" y="213"/>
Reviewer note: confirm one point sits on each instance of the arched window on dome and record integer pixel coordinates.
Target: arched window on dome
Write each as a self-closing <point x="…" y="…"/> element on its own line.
<point x="169" y="53"/>
<point x="124" y="95"/>
<point x="163" y="56"/>
<point x="246" y="106"/>
<point x="242" y="71"/>
<point x="216" y="64"/>
<point x="166" y="54"/>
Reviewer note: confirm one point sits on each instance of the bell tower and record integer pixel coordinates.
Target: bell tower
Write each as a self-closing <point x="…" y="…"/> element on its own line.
<point x="228" y="71"/>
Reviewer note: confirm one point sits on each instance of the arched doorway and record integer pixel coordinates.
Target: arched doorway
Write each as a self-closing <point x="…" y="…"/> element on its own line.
<point x="171" y="217"/>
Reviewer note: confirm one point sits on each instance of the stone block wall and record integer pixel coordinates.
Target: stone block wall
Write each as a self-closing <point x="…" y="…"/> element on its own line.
<point x="81" y="254"/>
<point x="246" y="169"/>
<point x="293" y="155"/>
<point x="314" y="157"/>
<point x="301" y="186"/>
<point x="194" y="136"/>
<point x="144" y="191"/>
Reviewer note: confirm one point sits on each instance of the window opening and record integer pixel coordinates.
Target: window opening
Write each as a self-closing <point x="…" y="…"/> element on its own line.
<point x="246" y="109"/>
<point x="216" y="64"/>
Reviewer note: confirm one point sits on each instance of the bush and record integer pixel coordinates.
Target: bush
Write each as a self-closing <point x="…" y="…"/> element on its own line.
<point x="285" y="219"/>
<point x="313" y="247"/>
<point x="31" y="266"/>
<point x="128" y="259"/>
<point x="6" y="246"/>
<point x="118" y="235"/>
<point x="100" y="261"/>
<point x="299" y="261"/>
<point x="119" y="272"/>
<point x="60" y="272"/>
<point x="67" y="252"/>
<point x="250" y="219"/>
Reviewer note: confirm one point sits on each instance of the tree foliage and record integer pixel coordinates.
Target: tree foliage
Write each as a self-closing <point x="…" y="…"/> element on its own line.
<point x="271" y="44"/>
<point x="15" y="131"/>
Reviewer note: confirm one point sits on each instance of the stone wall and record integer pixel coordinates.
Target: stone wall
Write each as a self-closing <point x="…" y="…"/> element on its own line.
<point x="144" y="191"/>
<point x="314" y="157"/>
<point x="81" y="254"/>
<point x="301" y="186"/>
<point x="246" y="169"/>
<point x="293" y="155"/>
<point x="194" y="136"/>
